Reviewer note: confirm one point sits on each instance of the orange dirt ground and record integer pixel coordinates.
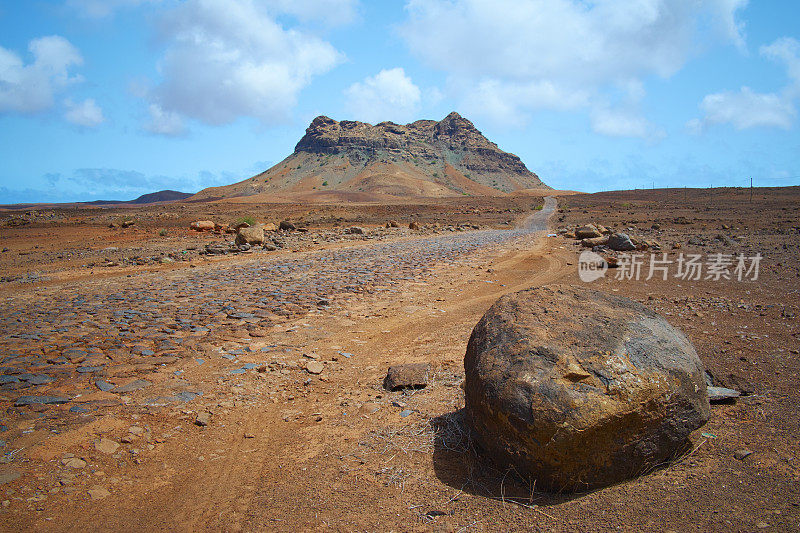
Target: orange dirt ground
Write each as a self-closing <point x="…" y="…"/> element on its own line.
<point x="301" y="452"/>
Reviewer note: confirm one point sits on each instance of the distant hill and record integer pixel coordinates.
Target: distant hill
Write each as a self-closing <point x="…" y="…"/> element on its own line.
<point x="150" y="198"/>
<point x="351" y="160"/>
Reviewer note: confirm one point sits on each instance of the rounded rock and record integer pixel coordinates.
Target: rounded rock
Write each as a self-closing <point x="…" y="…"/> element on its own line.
<point x="578" y="389"/>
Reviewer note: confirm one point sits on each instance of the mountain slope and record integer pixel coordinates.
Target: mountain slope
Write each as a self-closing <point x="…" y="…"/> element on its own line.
<point x="425" y="158"/>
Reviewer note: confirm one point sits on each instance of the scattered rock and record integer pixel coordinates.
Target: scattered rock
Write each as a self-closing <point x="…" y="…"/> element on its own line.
<point x="7" y="475"/>
<point x="131" y="387"/>
<point x="392" y="224"/>
<point x="98" y="493"/>
<point x="285" y="225"/>
<point x="355" y="230"/>
<point x="595" y="241"/>
<point x="107" y="446"/>
<point x="40" y="400"/>
<point x="314" y="367"/>
<point x="620" y="242"/>
<point x="251" y="235"/>
<point x="410" y="376"/>
<point x="742" y="453"/>
<point x="203" y="419"/>
<point x="722" y="395"/>
<point x="588" y="231"/>
<point x="413" y="226"/>
<point x="202" y="225"/>
<point x="74" y="463"/>
<point x="579" y="389"/>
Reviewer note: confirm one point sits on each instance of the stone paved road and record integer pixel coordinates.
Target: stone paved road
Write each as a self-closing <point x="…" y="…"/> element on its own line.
<point x="107" y="335"/>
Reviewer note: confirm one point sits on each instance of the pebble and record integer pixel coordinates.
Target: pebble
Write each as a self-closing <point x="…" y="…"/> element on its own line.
<point x="98" y="493"/>
<point x="314" y="367"/>
<point x="722" y="395"/>
<point x="203" y="419"/>
<point x="106" y="446"/>
<point x="742" y="453"/>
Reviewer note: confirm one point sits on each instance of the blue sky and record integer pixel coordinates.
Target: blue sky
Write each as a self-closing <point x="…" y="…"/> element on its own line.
<point x="116" y="98"/>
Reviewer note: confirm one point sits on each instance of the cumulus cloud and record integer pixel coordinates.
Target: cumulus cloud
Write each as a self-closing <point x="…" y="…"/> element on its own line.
<point x="388" y="95"/>
<point x="227" y="59"/>
<point x="746" y="108"/>
<point x="87" y="113"/>
<point x="524" y="55"/>
<point x="31" y="87"/>
<point x="165" y="123"/>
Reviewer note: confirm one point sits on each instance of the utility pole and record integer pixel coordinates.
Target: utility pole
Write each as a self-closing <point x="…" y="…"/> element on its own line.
<point x="751" y="190"/>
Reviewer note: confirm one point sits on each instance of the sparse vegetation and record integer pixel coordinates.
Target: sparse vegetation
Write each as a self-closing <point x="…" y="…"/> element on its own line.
<point x="250" y="221"/>
<point x="162" y="232"/>
<point x="324" y="183"/>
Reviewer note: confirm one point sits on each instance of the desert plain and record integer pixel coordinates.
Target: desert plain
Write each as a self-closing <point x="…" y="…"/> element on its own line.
<point x="149" y="385"/>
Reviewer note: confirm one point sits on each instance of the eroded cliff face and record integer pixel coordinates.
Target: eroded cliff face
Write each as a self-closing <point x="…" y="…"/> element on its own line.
<point x="424" y="158"/>
<point x="454" y="140"/>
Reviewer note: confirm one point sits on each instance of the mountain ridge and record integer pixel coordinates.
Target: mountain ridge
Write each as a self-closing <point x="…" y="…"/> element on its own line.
<point x="423" y="158"/>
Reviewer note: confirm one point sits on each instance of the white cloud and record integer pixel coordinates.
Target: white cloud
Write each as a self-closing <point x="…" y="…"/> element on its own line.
<point x="164" y="122"/>
<point x="389" y="95"/>
<point x="624" y="123"/>
<point x="519" y="56"/>
<point x="30" y="88"/>
<point x="746" y="108"/>
<point x="87" y="113"/>
<point x="227" y="59"/>
<point x="104" y="8"/>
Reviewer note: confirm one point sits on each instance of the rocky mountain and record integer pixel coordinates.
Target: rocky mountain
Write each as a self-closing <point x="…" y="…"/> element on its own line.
<point x="424" y="158"/>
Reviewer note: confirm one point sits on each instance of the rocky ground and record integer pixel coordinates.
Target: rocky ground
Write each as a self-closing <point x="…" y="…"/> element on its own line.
<point x="245" y="392"/>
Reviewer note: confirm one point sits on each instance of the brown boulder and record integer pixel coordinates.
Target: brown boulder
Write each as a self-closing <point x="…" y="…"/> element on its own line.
<point x="587" y="232"/>
<point x="251" y="235"/>
<point x="413" y="226"/>
<point x="202" y="225"/>
<point x="596" y="241"/>
<point x="411" y="376"/>
<point x="578" y="389"/>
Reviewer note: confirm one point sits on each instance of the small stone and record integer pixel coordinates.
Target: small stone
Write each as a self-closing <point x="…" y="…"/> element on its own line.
<point x="314" y="367"/>
<point x="7" y="475"/>
<point x="132" y="386"/>
<point x="406" y="412"/>
<point x="410" y="376"/>
<point x="40" y="400"/>
<point x="249" y="436"/>
<point x="98" y="493"/>
<point x="103" y="385"/>
<point x="74" y="462"/>
<point x="203" y="419"/>
<point x="106" y="446"/>
<point x="722" y="395"/>
<point x="742" y="453"/>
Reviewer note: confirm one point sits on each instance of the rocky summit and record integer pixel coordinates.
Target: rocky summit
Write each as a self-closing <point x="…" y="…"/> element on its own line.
<point x="423" y="159"/>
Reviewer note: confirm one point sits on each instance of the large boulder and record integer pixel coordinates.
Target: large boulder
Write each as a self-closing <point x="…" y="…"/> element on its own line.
<point x="250" y="235"/>
<point x="578" y="389"/>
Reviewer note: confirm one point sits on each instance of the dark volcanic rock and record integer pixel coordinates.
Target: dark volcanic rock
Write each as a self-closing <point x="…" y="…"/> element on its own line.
<point x="578" y="389"/>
